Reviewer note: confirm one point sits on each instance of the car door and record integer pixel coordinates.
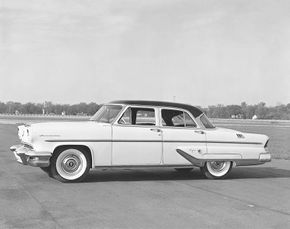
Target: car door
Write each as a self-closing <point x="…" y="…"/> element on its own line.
<point x="180" y="129"/>
<point x="136" y="139"/>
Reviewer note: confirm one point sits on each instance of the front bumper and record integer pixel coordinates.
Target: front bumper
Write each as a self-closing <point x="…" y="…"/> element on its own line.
<point x="27" y="156"/>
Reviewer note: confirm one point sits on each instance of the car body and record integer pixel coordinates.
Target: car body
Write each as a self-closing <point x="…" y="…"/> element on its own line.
<point x="138" y="134"/>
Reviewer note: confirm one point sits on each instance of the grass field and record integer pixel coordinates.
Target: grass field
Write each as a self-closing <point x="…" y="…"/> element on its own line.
<point x="278" y="131"/>
<point x="279" y="144"/>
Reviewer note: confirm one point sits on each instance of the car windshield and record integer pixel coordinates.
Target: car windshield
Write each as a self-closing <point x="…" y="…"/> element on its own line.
<point x="107" y="113"/>
<point x="205" y="121"/>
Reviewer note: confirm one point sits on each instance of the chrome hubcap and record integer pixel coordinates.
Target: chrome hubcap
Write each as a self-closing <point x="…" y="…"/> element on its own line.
<point x="70" y="163"/>
<point x="218" y="166"/>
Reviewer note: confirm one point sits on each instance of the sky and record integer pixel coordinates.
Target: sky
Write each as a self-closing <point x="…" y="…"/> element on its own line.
<point x="202" y="52"/>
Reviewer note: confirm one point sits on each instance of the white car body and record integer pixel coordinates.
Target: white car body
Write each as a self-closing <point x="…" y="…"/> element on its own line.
<point x="120" y="144"/>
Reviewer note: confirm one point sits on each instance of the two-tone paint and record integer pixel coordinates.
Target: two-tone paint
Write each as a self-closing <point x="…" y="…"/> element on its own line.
<point x="114" y="144"/>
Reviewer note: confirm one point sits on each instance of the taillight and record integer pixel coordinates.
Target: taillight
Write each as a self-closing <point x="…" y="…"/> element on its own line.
<point x="266" y="144"/>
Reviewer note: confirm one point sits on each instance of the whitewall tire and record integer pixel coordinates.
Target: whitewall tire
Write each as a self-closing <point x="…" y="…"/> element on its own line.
<point x="216" y="169"/>
<point x="70" y="164"/>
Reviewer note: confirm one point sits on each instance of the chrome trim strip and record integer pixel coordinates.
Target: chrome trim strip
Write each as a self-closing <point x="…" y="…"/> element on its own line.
<point x="161" y="141"/>
<point x="116" y="121"/>
<point x="238" y="162"/>
<point x="191" y="159"/>
<point x="143" y="166"/>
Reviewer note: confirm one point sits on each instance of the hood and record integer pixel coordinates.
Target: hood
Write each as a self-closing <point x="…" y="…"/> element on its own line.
<point x="59" y="127"/>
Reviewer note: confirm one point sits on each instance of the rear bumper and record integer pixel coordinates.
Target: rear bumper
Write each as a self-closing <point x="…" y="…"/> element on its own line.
<point x="265" y="157"/>
<point x="28" y="156"/>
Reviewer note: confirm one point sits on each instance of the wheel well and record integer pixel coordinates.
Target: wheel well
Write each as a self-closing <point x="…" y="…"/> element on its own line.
<point x="83" y="148"/>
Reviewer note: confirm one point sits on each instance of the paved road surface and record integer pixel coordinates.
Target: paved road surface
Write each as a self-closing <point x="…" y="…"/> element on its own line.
<point x="252" y="197"/>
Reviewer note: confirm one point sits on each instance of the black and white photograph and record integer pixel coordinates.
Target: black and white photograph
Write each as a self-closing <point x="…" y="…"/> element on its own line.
<point x="128" y="114"/>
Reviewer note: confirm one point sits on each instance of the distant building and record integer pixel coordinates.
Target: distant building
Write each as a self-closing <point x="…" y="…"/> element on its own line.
<point x="255" y="117"/>
<point x="237" y="116"/>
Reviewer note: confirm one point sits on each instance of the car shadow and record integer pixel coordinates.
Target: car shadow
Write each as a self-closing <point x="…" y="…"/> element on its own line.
<point x="258" y="172"/>
<point x="140" y="175"/>
<point x="110" y="175"/>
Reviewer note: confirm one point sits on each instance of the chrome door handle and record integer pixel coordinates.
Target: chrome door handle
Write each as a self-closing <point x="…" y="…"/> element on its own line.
<point x="199" y="132"/>
<point x="156" y="130"/>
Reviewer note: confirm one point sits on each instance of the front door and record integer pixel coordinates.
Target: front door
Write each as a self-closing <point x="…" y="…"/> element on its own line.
<point x="136" y="138"/>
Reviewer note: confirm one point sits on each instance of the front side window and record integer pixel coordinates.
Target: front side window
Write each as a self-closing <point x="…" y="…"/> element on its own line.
<point x="138" y="116"/>
<point x="176" y="118"/>
<point x="107" y="113"/>
<point x="126" y="117"/>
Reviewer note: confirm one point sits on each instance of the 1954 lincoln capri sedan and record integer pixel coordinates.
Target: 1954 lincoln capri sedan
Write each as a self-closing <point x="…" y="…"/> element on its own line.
<point x="138" y="134"/>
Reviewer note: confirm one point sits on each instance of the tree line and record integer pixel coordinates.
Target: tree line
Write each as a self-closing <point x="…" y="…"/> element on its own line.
<point x="245" y="111"/>
<point x="48" y="108"/>
<point x="242" y="111"/>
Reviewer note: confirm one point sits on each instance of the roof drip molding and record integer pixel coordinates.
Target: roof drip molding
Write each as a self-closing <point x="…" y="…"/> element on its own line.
<point x="193" y="110"/>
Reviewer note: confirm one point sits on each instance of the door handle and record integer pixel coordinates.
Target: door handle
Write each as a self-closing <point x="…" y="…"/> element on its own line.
<point x="199" y="131"/>
<point x="156" y="130"/>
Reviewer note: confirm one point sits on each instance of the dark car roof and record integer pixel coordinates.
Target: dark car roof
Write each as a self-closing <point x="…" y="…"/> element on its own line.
<point x="193" y="110"/>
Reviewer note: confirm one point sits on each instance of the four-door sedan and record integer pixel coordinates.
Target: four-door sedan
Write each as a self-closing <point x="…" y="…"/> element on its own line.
<point x="138" y="134"/>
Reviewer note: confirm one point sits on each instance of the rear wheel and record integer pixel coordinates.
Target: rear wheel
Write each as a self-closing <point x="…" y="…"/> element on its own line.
<point x="70" y="164"/>
<point x="216" y="169"/>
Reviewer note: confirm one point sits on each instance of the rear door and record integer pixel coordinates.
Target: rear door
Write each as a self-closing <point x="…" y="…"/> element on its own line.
<point x="180" y="129"/>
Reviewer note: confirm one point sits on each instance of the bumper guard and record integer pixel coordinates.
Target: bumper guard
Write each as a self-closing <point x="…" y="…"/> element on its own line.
<point x="27" y="156"/>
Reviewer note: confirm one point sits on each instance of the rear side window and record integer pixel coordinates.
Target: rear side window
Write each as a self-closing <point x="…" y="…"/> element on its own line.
<point x="176" y="118"/>
<point x="206" y="122"/>
<point x="138" y="116"/>
<point x="188" y="120"/>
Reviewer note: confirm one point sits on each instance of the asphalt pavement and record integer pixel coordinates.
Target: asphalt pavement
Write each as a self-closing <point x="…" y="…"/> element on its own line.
<point x="252" y="197"/>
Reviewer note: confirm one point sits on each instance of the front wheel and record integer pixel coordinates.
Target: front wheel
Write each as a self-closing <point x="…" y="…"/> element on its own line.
<point x="216" y="169"/>
<point x="70" y="164"/>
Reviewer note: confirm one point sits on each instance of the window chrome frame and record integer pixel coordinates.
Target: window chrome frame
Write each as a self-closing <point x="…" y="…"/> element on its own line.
<point x="116" y="121"/>
<point x="158" y="117"/>
<point x="179" y="127"/>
